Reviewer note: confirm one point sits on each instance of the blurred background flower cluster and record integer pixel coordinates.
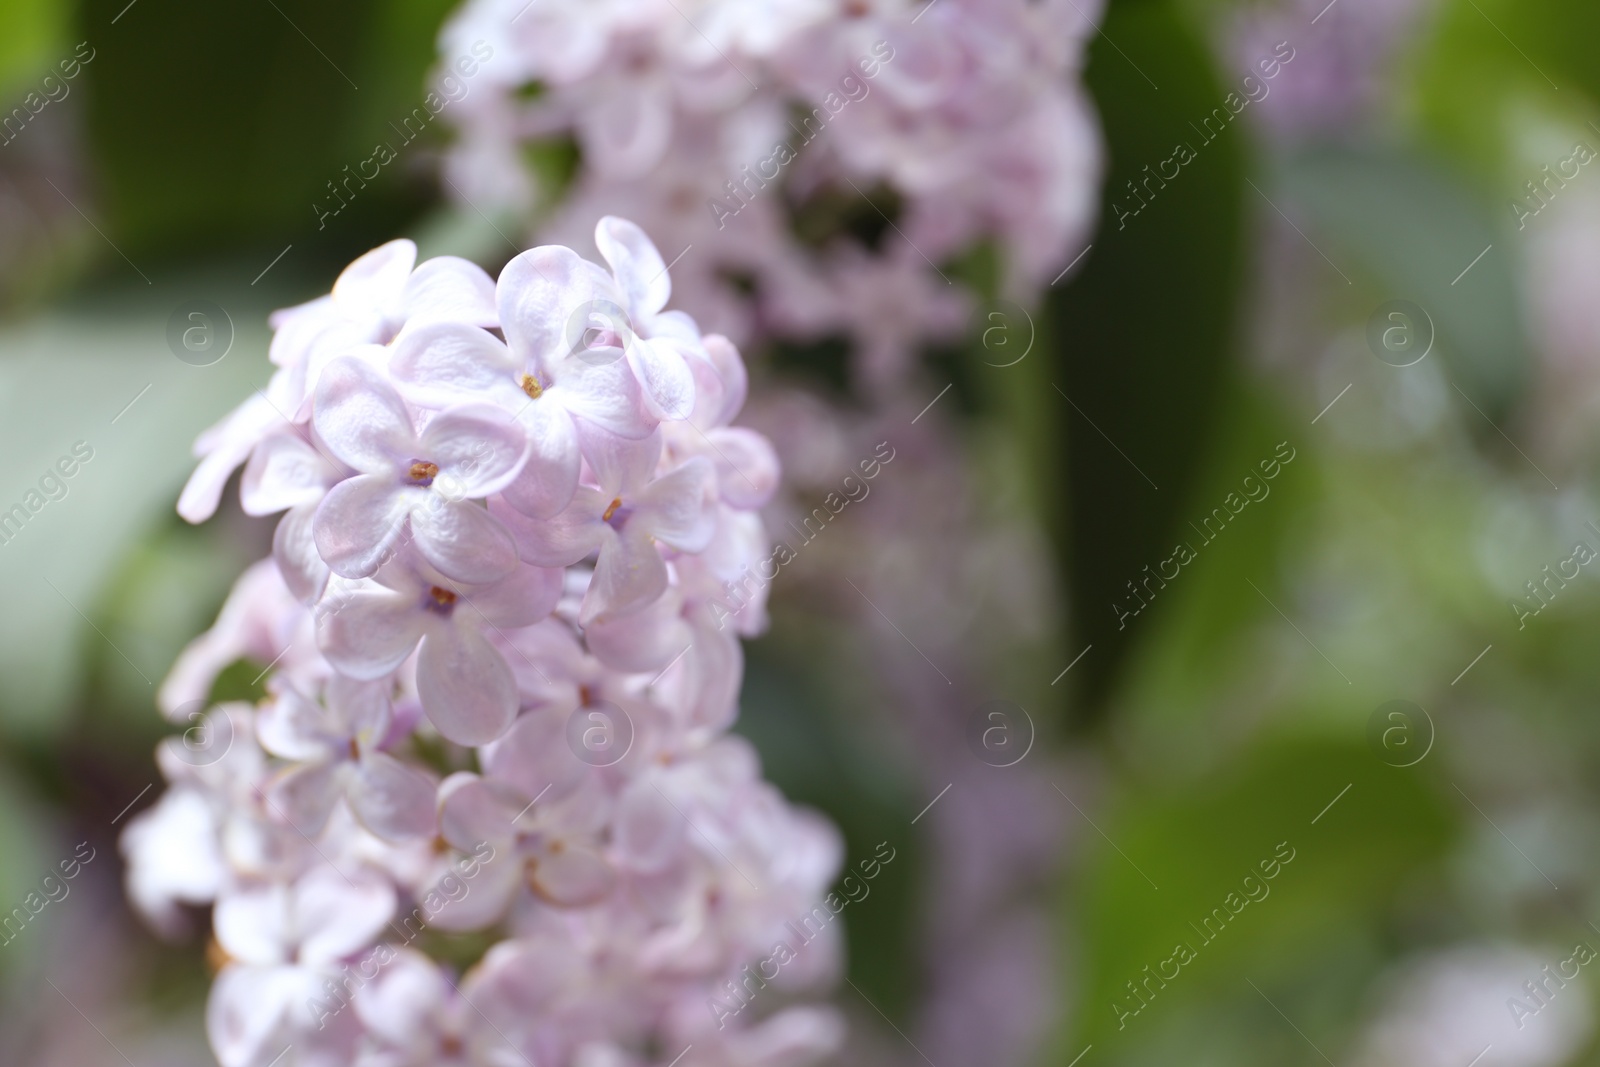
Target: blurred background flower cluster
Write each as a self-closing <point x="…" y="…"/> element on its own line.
<point x="1238" y="361"/>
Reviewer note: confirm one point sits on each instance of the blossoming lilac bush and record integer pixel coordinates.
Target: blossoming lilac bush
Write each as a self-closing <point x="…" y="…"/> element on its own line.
<point x="747" y="131"/>
<point x="499" y="688"/>
<point x="843" y="169"/>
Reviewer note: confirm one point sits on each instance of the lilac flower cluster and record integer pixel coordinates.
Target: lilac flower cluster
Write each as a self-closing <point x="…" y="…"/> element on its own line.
<point x="815" y="168"/>
<point x="967" y="112"/>
<point x="498" y="696"/>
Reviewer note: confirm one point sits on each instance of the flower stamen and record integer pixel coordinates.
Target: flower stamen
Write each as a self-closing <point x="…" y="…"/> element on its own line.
<point x="440" y="600"/>
<point x="531" y="386"/>
<point x="422" y="473"/>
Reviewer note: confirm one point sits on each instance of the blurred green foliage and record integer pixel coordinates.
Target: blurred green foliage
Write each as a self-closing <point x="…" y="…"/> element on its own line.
<point x="1144" y="333"/>
<point x="1200" y="840"/>
<point x="35" y="31"/>
<point x="1219" y="714"/>
<point x="1413" y="229"/>
<point x="215" y="126"/>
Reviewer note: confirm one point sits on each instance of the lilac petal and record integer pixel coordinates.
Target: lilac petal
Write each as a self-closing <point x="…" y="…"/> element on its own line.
<point x="538" y="294"/>
<point x="463" y="541"/>
<point x="360" y="709"/>
<point x="246" y="1012"/>
<point x="664" y="377"/>
<point x="294" y="549"/>
<point x="629" y="575"/>
<point x="789" y="1038"/>
<point x="640" y="271"/>
<point x="715" y="670"/>
<point x="732" y="380"/>
<point x="571" y="877"/>
<point x="646" y="640"/>
<point x="392" y="799"/>
<point x="649" y="833"/>
<point x="444" y="359"/>
<point x="682" y="331"/>
<point x="361" y="418"/>
<point x="297" y="728"/>
<point x="400" y="1004"/>
<point x="624" y="134"/>
<point x="374" y="283"/>
<point x="747" y="466"/>
<point x="678" y="507"/>
<point x="520" y="599"/>
<point x="603" y="392"/>
<point x="620" y="466"/>
<point x="533" y="756"/>
<point x="337" y="915"/>
<point x="254" y="925"/>
<point x="360" y="521"/>
<point x="295" y="328"/>
<point x="284" y="472"/>
<point x="564" y="539"/>
<point x="479" y="449"/>
<point x="226" y="445"/>
<point x="303" y="795"/>
<point x="529" y="975"/>
<point x="449" y="287"/>
<point x="367" y="631"/>
<point x="474" y="810"/>
<point x="490" y="895"/>
<point x="466" y="688"/>
<point x="550" y="476"/>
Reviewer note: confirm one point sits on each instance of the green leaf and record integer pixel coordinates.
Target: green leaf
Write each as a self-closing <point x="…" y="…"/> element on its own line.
<point x="1142" y="336"/>
<point x="1490" y="63"/>
<point x="1356" y="829"/>
<point x="217" y="125"/>
<point x="99" y="376"/>
<point x="1416" y="230"/>
<point x="35" y="39"/>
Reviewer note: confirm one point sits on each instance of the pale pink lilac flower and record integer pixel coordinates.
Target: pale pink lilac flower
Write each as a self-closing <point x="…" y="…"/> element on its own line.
<point x="422" y="757"/>
<point x="620" y="519"/>
<point x="421" y="484"/>
<point x="335" y="749"/>
<point x="975" y="121"/>
<point x="368" y="628"/>
<point x="372" y="300"/>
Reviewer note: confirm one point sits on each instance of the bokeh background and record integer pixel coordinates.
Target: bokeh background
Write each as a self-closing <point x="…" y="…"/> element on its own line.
<point x="1186" y="735"/>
